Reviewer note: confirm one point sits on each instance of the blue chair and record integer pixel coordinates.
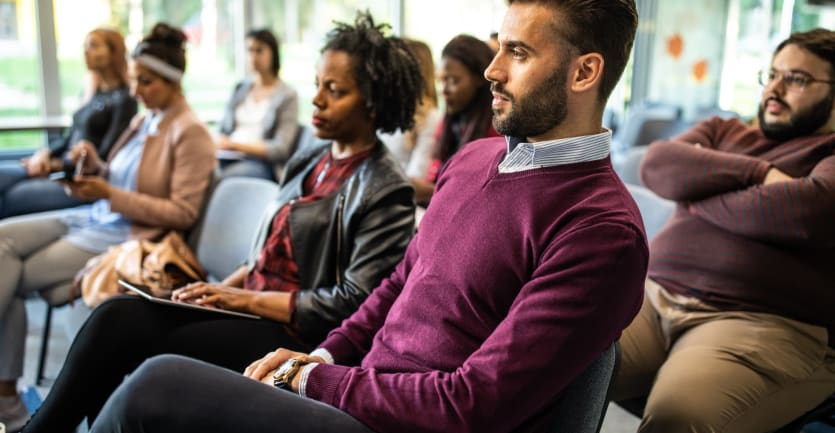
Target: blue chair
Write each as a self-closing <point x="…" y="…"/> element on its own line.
<point x="583" y="405"/>
<point x="704" y="113"/>
<point x="647" y="123"/>
<point x="627" y="164"/>
<point x="655" y="211"/>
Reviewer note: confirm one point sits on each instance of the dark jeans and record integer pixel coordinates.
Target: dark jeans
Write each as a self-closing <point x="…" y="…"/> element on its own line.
<point x="179" y="395"/>
<point x="124" y="331"/>
<point x="20" y="194"/>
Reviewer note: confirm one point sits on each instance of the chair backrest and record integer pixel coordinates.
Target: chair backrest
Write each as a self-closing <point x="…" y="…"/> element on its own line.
<point x="628" y="164"/>
<point x="583" y="404"/>
<point x="704" y="113"/>
<point x="647" y="123"/>
<point x="229" y="224"/>
<point x="655" y="210"/>
<point x="307" y="139"/>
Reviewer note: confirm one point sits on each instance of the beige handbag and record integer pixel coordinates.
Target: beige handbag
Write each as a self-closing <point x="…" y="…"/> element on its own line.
<point x="161" y="266"/>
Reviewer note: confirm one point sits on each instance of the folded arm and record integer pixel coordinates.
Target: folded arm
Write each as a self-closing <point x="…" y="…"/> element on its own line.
<point x="690" y="168"/>
<point x="796" y="212"/>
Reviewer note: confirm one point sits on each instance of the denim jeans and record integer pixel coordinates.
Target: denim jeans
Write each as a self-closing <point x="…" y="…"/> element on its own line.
<point x="20" y="194"/>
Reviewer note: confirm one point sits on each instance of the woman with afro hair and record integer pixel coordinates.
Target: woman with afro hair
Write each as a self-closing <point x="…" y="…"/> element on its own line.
<point x="341" y="222"/>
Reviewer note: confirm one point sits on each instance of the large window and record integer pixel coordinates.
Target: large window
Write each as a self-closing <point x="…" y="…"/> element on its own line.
<point x="755" y="28"/>
<point x="687" y="54"/>
<point x="8" y="20"/>
<point x="696" y="57"/>
<point x="211" y="26"/>
<point x="20" y="87"/>
<point x="302" y="26"/>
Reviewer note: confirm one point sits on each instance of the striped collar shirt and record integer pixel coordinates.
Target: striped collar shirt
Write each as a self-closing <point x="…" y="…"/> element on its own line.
<point x="523" y="156"/>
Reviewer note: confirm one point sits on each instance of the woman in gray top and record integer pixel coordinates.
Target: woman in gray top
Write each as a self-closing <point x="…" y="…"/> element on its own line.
<point x="260" y="124"/>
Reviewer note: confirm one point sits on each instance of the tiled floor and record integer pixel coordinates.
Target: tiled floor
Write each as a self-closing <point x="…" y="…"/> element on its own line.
<point x="617" y="420"/>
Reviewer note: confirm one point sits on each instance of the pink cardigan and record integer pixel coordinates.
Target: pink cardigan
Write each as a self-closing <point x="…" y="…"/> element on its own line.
<point x="173" y="175"/>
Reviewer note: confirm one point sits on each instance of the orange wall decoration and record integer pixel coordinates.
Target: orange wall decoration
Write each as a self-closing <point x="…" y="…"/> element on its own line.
<point x="675" y="46"/>
<point x="700" y="70"/>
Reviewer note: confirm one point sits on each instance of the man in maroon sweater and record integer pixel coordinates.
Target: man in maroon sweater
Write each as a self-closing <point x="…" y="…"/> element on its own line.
<point x="528" y="264"/>
<point x="737" y="329"/>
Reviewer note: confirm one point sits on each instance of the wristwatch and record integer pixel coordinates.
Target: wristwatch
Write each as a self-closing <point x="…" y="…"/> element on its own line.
<point x="283" y="376"/>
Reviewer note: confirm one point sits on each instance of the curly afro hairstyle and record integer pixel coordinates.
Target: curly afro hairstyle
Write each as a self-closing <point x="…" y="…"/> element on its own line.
<point x="385" y="69"/>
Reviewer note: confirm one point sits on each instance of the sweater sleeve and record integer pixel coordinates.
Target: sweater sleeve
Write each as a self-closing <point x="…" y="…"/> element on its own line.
<point x="583" y="293"/>
<point x="679" y="170"/>
<point x="227" y="122"/>
<point x="191" y="172"/>
<point x="381" y="238"/>
<point x="799" y="212"/>
<point x="280" y="144"/>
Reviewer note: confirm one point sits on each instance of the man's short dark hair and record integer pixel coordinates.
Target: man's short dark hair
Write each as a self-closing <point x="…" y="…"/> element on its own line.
<point x="386" y="70"/>
<point x="820" y="42"/>
<point x="601" y="26"/>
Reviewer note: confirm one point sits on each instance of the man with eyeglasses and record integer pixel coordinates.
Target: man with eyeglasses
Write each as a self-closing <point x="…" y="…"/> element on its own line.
<point x="737" y="328"/>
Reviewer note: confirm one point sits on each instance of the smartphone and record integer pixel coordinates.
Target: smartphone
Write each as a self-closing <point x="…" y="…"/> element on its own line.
<point x="60" y="176"/>
<point x="69" y="170"/>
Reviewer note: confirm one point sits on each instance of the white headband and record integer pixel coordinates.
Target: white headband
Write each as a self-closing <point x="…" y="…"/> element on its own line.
<point x="159" y="66"/>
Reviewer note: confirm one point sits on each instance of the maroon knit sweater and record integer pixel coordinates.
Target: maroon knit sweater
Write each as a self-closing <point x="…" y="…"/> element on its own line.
<point x="514" y="284"/>
<point x="735" y="243"/>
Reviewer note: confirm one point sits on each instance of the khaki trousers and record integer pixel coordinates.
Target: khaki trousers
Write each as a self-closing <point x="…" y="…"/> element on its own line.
<point x="705" y="370"/>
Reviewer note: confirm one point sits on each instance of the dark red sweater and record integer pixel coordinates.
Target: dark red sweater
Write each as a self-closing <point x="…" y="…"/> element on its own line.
<point x="514" y="283"/>
<point x="740" y="245"/>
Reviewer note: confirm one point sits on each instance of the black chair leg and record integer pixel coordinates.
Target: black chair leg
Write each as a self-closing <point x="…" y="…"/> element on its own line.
<point x="47" y="327"/>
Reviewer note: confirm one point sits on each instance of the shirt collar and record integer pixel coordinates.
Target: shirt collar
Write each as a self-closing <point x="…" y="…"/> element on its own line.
<point x="522" y="155"/>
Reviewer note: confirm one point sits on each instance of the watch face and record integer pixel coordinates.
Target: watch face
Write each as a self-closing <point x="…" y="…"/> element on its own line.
<point x="285" y="367"/>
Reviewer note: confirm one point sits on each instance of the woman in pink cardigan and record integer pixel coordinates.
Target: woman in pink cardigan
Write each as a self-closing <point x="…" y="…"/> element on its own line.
<point x="154" y="181"/>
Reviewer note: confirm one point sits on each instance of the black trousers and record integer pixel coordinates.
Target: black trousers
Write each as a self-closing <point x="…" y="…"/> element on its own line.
<point x="125" y="331"/>
<point x="173" y="394"/>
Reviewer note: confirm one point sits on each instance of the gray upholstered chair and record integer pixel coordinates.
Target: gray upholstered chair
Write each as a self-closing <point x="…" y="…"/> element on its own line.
<point x="583" y="405"/>
<point x="627" y="164"/>
<point x="221" y="240"/>
<point x="655" y="210"/>
<point x="647" y="123"/>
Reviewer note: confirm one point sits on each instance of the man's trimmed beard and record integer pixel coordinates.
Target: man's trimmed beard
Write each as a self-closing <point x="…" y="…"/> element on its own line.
<point x="802" y="123"/>
<point x="542" y="109"/>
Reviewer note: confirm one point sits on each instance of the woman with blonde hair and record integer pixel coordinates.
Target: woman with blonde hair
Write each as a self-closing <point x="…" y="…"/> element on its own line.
<point x="105" y="112"/>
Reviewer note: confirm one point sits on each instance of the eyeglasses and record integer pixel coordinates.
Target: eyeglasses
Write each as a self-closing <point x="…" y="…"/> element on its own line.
<point x="794" y="81"/>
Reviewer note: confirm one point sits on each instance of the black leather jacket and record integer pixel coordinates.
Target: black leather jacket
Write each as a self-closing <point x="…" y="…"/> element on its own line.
<point x="345" y="243"/>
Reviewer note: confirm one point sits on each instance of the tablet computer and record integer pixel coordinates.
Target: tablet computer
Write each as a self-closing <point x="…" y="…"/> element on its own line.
<point x="146" y="293"/>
